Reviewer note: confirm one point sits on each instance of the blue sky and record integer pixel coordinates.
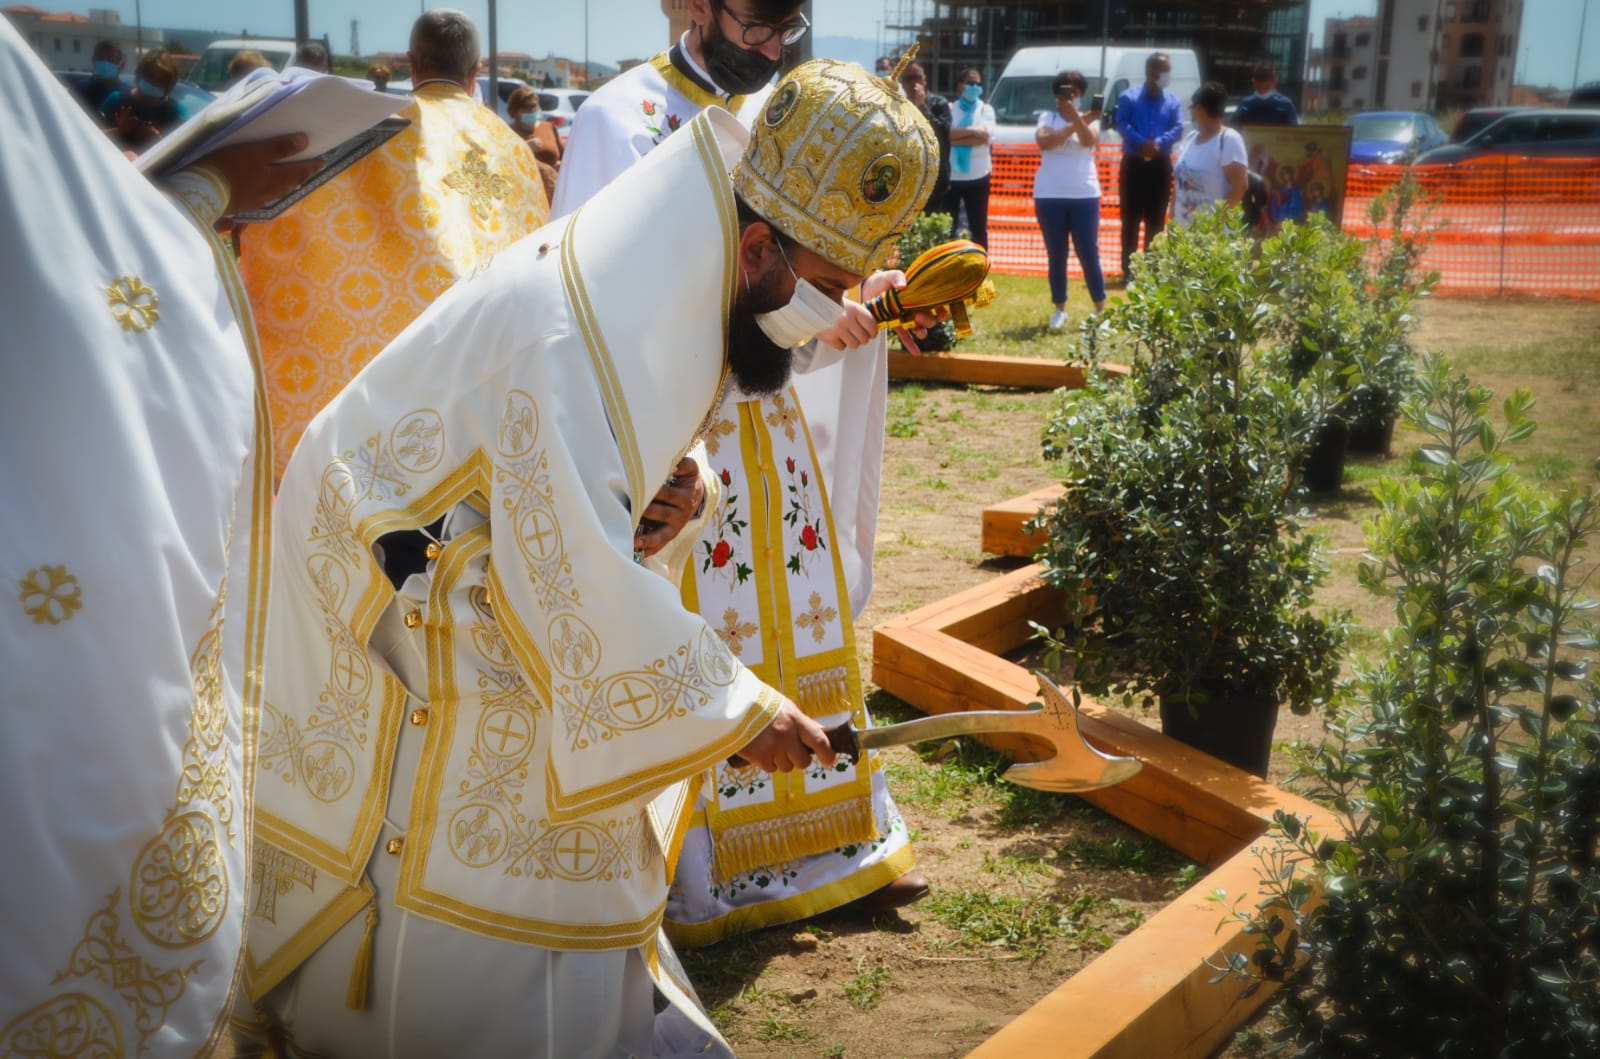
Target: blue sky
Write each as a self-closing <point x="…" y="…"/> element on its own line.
<point x="622" y="29"/>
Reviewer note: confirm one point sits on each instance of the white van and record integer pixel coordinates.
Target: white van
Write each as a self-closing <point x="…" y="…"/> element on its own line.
<point x="1023" y="91"/>
<point x="211" y="72"/>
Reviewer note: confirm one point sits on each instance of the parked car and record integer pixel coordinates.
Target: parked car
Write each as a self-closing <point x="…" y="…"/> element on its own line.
<point x="1387" y="137"/>
<point x="1585" y="95"/>
<point x="1550" y="133"/>
<point x="211" y="72"/>
<point x="560" y="105"/>
<point x="506" y="86"/>
<point x="1022" y="92"/>
<point x="1477" y="119"/>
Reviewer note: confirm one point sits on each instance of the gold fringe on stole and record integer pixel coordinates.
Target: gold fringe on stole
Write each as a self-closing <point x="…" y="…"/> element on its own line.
<point x="746" y="847"/>
<point x="824" y="692"/>
<point x="355" y="997"/>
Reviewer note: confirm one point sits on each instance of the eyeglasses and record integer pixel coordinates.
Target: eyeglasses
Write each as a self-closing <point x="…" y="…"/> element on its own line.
<point x="756" y="33"/>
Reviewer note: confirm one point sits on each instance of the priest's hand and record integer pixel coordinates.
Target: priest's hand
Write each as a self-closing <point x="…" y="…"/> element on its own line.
<point x="256" y="174"/>
<point x="674" y="505"/>
<point x="789" y="742"/>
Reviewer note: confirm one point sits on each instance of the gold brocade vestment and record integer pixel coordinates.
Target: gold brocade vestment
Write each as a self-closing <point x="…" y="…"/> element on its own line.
<point x="337" y="277"/>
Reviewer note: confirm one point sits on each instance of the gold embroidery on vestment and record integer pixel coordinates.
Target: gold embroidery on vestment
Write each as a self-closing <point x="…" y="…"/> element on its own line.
<point x="784" y="416"/>
<point x="474" y="180"/>
<point x="104" y="954"/>
<point x="71" y="1024"/>
<point x="816" y="617"/>
<point x="134" y="305"/>
<point x="276" y="873"/>
<point x="735" y="630"/>
<point x="50" y="595"/>
<point x="178" y="893"/>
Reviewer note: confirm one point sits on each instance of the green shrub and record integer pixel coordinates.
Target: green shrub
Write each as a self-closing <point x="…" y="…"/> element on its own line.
<point x="925" y="233"/>
<point x="1462" y="913"/>
<point x="1177" y="543"/>
<point x="1352" y="303"/>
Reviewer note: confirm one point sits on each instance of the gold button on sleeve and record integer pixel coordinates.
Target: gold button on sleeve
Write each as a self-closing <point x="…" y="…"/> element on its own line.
<point x="419" y="717"/>
<point x="413" y="618"/>
<point x="395" y="845"/>
<point x="432" y="550"/>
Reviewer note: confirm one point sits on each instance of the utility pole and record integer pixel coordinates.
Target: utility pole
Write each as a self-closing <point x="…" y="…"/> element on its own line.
<point x="302" y="21"/>
<point x="1105" y="41"/>
<point x="1583" y="21"/>
<point x="494" y="59"/>
<point x="355" y="37"/>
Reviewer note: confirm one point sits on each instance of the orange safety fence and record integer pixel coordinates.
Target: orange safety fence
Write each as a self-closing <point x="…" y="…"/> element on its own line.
<point x="1505" y="225"/>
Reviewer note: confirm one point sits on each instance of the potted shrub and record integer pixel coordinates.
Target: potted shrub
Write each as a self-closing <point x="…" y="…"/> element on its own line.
<point x="1461" y="903"/>
<point x="1349" y="303"/>
<point x="1381" y="369"/>
<point x="1177" y="543"/>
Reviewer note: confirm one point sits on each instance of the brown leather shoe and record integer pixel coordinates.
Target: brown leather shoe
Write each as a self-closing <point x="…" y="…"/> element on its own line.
<point x="907" y="889"/>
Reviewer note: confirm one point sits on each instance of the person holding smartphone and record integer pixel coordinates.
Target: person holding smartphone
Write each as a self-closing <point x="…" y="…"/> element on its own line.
<point x="1066" y="190"/>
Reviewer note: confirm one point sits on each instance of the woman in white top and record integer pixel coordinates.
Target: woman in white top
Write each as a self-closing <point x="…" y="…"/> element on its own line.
<point x="1212" y="163"/>
<point x="972" y="125"/>
<point x="1066" y="191"/>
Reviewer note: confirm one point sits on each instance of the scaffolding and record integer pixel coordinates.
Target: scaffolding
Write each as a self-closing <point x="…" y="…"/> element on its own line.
<point x="1229" y="36"/>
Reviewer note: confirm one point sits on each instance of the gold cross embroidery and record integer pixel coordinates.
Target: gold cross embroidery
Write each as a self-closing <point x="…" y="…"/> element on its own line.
<point x="475" y="181"/>
<point x="277" y="872"/>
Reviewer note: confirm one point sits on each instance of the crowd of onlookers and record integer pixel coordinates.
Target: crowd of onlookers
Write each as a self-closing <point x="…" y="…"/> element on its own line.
<point x="1165" y="163"/>
<point x="136" y="115"/>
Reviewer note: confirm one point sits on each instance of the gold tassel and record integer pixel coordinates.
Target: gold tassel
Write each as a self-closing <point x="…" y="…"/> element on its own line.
<point x="769" y="843"/>
<point x="361" y="973"/>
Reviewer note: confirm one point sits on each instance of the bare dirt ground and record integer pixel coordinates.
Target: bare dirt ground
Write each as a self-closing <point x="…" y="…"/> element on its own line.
<point x="938" y="978"/>
<point x="1027" y="888"/>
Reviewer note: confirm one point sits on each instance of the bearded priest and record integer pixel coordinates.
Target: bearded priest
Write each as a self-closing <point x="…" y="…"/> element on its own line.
<point x="482" y="712"/>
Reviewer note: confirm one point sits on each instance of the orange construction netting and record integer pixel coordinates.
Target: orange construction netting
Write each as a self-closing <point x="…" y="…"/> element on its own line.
<point x="1506" y="225"/>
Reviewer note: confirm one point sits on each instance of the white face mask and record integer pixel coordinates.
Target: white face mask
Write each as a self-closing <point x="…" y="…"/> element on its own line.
<point x="809" y="312"/>
<point x="1164" y="80"/>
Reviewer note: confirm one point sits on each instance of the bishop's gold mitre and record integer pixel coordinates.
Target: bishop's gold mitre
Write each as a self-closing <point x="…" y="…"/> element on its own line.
<point x="839" y="161"/>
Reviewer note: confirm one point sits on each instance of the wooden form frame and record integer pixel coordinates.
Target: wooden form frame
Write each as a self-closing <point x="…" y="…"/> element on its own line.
<point x="1002" y="523"/>
<point x="981" y="369"/>
<point x="1149" y="995"/>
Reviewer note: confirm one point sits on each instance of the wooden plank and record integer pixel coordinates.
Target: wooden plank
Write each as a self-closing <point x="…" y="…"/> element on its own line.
<point x="1002" y="523"/>
<point x="981" y="369"/>
<point x="1189" y="801"/>
<point x="1150" y="994"/>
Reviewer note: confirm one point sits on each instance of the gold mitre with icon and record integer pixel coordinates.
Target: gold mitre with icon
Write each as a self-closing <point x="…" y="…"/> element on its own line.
<point x="840" y="162"/>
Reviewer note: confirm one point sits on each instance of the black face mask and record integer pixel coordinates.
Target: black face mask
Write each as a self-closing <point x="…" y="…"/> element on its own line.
<point x="734" y="69"/>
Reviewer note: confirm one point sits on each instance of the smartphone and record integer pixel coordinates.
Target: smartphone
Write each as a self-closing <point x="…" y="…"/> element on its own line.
<point x="1098" y="103"/>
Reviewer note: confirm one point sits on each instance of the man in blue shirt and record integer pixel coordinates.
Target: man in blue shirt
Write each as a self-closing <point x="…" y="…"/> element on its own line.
<point x="1150" y="119"/>
<point x="1266" y="105"/>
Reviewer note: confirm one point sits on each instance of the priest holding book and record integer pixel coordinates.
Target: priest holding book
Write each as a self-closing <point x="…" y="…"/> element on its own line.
<point x="345" y="270"/>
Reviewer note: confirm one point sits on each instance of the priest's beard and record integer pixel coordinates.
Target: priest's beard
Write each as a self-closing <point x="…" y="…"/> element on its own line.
<point x="760" y="366"/>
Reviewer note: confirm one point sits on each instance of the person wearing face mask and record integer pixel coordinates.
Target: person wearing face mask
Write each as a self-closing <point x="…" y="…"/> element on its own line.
<point x="839" y="396"/>
<point x="973" y="123"/>
<point x="1150" y="119"/>
<point x="476" y="754"/>
<point x="343" y="271"/>
<point x="727" y="57"/>
<point x="107" y="65"/>
<point x="137" y="118"/>
<point x="522" y="108"/>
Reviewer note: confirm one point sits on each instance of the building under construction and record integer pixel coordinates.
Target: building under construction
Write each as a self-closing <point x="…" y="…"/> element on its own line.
<point x="1229" y="36"/>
